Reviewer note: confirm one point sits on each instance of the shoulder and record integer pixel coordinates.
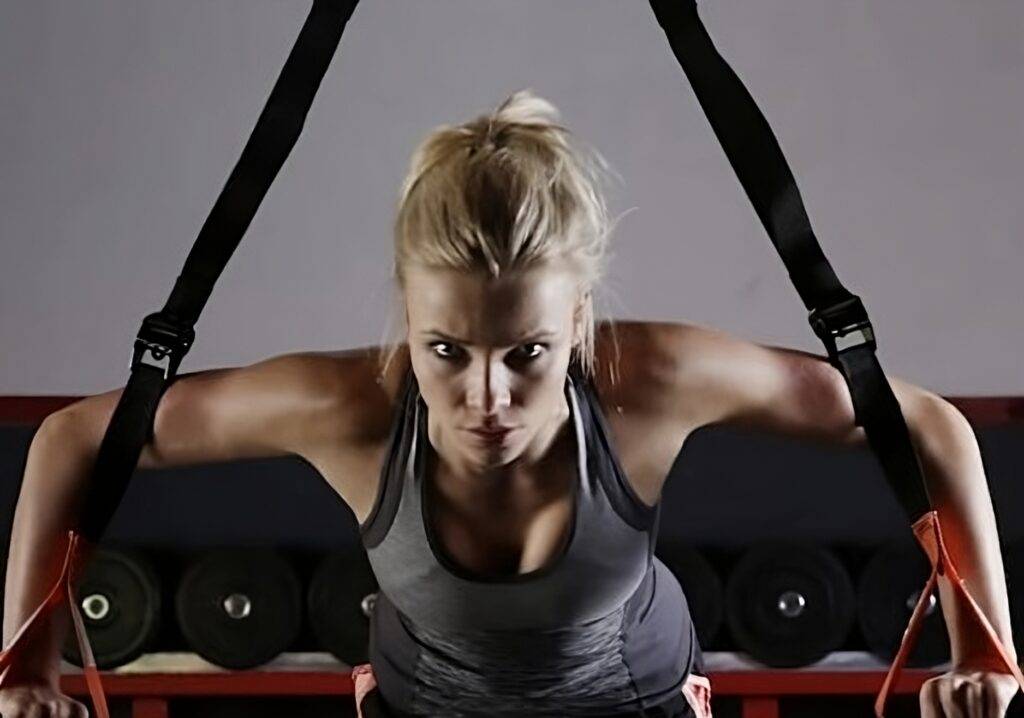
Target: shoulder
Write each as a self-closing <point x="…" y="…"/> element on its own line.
<point x="342" y="398"/>
<point x="637" y="362"/>
<point x="693" y="375"/>
<point x="636" y="375"/>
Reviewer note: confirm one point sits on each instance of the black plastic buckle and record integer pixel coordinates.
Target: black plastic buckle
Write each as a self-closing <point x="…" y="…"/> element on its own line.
<point x="162" y="344"/>
<point x="843" y="326"/>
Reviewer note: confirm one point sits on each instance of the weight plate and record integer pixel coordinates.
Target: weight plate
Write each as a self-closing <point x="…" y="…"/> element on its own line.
<point x="340" y="601"/>
<point x="702" y="586"/>
<point x="789" y="605"/>
<point x="887" y="592"/>
<point x="239" y="608"/>
<point x="119" y="599"/>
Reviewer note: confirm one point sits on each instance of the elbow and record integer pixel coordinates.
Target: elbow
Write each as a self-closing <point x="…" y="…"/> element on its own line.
<point x="52" y="428"/>
<point x="61" y="428"/>
<point x="938" y="427"/>
<point x="938" y="412"/>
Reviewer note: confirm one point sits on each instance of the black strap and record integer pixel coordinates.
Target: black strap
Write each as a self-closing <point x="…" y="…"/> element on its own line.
<point x="837" y="316"/>
<point x="167" y="335"/>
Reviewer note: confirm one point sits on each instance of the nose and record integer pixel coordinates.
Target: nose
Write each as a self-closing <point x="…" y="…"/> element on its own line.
<point x="488" y="388"/>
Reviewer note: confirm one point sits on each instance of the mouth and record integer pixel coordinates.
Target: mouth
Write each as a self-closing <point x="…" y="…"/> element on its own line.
<point x="492" y="436"/>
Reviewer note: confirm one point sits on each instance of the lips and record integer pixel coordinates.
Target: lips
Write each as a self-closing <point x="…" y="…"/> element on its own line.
<point x="492" y="434"/>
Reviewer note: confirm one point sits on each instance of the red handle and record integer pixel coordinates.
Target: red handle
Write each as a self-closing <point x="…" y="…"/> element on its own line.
<point x="63" y="588"/>
<point x="928" y="533"/>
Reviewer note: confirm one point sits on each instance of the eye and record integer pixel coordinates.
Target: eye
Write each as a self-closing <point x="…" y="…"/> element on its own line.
<point x="530" y="351"/>
<point x="444" y="350"/>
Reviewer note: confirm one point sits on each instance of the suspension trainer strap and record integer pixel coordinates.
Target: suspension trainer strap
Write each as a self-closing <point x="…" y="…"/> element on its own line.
<point x="166" y="336"/>
<point x="837" y="316"/>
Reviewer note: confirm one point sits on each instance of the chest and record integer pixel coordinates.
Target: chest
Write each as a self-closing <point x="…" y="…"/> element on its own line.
<point x="507" y="531"/>
<point x="503" y="530"/>
<point x="515" y="531"/>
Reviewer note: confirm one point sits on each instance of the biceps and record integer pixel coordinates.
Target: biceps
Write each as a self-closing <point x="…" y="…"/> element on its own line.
<point x="800" y="394"/>
<point x="214" y="416"/>
<point x="784" y="391"/>
<point x="207" y="417"/>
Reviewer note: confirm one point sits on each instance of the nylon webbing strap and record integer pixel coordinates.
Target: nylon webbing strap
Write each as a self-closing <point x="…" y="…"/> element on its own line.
<point x="167" y="335"/>
<point x="837" y="315"/>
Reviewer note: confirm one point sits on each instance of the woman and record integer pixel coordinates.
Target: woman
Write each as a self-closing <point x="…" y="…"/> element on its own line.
<point x="504" y="462"/>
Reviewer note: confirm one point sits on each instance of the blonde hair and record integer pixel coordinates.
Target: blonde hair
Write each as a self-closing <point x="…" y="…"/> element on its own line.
<point x="501" y="193"/>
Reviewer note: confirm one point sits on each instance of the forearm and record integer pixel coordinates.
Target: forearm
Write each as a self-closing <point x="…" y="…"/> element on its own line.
<point x="953" y="469"/>
<point x="56" y="469"/>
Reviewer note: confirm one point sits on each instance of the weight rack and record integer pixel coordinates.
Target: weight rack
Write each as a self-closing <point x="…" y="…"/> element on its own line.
<point x="150" y="688"/>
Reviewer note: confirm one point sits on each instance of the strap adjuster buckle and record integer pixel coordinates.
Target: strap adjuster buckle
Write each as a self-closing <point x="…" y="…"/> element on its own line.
<point x="161" y="344"/>
<point x="843" y="326"/>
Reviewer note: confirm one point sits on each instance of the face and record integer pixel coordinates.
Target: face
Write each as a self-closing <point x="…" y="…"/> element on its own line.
<point x="491" y="353"/>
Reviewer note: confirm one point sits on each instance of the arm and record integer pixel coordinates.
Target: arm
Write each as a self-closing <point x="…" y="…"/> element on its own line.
<point x="731" y="381"/>
<point x="295" y="404"/>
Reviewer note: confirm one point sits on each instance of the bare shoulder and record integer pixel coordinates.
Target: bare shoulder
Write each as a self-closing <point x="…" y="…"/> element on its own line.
<point x="637" y="366"/>
<point x="358" y="393"/>
<point x="637" y="362"/>
<point x="689" y="376"/>
<point x="661" y="381"/>
<point x="333" y="409"/>
<point x="352" y="440"/>
<point x="285" y="404"/>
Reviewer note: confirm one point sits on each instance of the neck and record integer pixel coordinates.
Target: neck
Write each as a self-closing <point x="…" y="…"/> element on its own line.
<point x="548" y="446"/>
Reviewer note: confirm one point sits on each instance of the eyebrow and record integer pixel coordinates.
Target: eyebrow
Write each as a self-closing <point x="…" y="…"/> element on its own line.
<point x="534" y="336"/>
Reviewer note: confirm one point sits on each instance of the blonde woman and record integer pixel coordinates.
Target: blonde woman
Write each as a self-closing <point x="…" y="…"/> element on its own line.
<point x="504" y="460"/>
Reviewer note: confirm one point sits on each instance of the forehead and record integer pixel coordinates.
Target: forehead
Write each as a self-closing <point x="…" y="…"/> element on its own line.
<point x="487" y="310"/>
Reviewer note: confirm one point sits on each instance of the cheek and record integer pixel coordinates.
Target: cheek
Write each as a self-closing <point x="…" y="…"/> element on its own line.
<point x="435" y="384"/>
<point x="545" y="391"/>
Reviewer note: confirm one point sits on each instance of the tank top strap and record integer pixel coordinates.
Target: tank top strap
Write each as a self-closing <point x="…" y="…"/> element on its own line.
<point x="390" y="485"/>
<point x="603" y="458"/>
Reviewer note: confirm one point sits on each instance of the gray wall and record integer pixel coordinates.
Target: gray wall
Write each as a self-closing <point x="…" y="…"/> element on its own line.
<point x="119" y="121"/>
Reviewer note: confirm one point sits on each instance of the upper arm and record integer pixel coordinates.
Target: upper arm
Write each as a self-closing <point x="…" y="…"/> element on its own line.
<point x="289" y="404"/>
<point x="710" y="377"/>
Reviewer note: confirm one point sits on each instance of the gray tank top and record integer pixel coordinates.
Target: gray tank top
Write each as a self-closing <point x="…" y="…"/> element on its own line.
<point x="602" y="629"/>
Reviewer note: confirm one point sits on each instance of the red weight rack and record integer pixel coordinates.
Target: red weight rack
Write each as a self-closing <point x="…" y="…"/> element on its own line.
<point x="758" y="691"/>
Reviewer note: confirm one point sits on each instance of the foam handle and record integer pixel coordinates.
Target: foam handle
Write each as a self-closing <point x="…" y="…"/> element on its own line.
<point x="928" y="532"/>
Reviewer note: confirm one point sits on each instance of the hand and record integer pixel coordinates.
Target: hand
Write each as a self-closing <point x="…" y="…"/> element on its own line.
<point x="966" y="693"/>
<point x="38" y="700"/>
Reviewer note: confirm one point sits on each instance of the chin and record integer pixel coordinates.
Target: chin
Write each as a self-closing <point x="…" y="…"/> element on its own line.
<point x="492" y="456"/>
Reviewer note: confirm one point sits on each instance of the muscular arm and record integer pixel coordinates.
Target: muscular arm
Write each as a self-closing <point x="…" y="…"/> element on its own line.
<point x="699" y="376"/>
<point x="294" y="404"/>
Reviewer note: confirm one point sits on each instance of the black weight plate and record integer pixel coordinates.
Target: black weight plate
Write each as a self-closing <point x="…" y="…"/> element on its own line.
<point x="789" y="605"/>
<point x="886" y="595"/>
<point x="702" y="586"/>
<point x="340" y="597"/>
<point x="119" y="599"/>
<point x="239" y="608"/>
